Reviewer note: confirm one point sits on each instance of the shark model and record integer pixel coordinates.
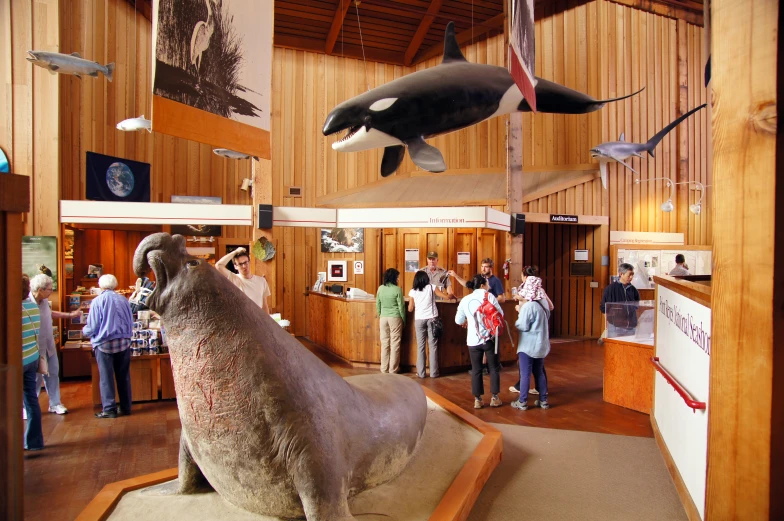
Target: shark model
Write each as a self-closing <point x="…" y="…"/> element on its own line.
<point x="453" y="95"/>
<point x="621" y="150"/>
<point x="69" y="64"/>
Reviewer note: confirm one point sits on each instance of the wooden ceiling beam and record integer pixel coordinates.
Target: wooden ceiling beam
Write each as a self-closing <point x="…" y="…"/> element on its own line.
<point x="347" y="50"/>
<point x="421" y="32"/>
<point x="337" y="23"/>
<point x="494" y="23"/>
<point x="680" y="11"/>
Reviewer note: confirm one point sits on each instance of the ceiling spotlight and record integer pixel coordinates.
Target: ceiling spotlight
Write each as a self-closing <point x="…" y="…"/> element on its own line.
<point x="246" y="183"/>
<point x="695" y="208"/>
<point x="667" y="206"/>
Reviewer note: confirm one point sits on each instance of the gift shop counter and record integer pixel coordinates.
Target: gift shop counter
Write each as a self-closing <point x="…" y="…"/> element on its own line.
<point x="349" y="328"/>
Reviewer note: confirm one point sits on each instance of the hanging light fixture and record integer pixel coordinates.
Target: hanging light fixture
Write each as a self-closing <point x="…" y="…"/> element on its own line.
<point x="696" y="208"/>
<point x="667" y="206"/>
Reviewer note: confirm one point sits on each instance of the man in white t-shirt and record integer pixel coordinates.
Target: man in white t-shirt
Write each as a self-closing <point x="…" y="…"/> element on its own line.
<point x="255" y="287"/>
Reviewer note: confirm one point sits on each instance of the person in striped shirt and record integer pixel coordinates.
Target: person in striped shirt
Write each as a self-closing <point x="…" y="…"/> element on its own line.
<point x="31" y="324"/>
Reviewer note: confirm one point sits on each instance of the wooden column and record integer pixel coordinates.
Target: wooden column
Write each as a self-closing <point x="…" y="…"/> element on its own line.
<point x="14" y="201"/>
<point x="262" y="194"/>
<point x="514" y="181"/>
<point x="681" y="191"/>
<point x="746" y="407"/>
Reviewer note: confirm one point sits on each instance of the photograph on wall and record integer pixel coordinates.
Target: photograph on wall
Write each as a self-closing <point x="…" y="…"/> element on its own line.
<point x="68" y="243"/>
<point x="110" y="178"/>
<point x="216" y="56"/>
<point x="343" y="240"/>
<point x="412" y="266"/>
<point x="39" y="255"/>
<point x="196" y="230"/>
<point x="196" y="199"/>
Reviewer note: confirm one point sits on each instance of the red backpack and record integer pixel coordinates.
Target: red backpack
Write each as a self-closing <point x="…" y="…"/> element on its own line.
<point x="492" y="320"/>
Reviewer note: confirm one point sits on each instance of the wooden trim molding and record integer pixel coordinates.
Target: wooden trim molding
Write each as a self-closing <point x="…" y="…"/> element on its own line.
<point x="683" y="493"/>
<point x="455" y="505"/>
<point x="695" y="291"/>
<point x="180" y="120"/>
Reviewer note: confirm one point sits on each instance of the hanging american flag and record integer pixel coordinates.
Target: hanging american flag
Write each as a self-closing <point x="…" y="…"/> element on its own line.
<point x="522" y="50"/>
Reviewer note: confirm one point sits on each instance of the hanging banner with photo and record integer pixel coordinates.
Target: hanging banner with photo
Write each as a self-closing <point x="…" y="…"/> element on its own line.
<point x="112" y="178"/>
<point x="522" y="50"/>
<point x="39" y="255"/>
<point x="212" y="72"/>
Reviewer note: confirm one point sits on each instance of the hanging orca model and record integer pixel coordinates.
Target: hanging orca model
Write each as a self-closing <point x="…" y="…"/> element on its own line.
<point x="453" y="95"/>
<point x="621" y="150"/>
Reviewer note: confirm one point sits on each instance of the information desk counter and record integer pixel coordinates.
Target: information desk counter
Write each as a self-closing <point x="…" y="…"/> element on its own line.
<point x="349" y="328"/>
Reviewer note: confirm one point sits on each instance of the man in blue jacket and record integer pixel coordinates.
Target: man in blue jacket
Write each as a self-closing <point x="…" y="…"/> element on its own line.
<point x="622" y="320"/>
<point x="110" y="328"/>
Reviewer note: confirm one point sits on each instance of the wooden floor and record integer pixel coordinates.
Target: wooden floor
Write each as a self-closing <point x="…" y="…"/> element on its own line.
<point x="83" y="453"/>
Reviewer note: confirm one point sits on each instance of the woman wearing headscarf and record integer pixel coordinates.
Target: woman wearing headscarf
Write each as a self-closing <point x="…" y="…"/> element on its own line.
<point x="534" y="341"/>
<point x="530" y="272"/>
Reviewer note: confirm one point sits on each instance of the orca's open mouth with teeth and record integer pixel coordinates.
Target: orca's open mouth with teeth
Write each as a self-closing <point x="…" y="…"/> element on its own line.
<point x="350" y="133"/>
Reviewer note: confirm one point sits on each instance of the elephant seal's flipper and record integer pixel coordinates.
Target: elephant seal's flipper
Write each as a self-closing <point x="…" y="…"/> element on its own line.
<point x="190" y="480"/>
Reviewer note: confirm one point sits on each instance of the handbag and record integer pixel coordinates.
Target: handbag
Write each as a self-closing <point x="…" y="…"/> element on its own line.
<point x="43" y="363"/>
<point x="434" y="324"/>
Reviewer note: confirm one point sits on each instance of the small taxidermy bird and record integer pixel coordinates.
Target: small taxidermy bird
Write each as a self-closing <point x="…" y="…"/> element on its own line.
<point x="43" y="269"/>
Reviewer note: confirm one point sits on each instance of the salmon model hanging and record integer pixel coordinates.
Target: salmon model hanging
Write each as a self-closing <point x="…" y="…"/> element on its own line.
<point x="450" y="96"/>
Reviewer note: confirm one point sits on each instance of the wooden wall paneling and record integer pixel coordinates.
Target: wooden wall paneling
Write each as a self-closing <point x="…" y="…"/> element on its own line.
<point x="745" y="454"/>
<point x="463" y="239"/>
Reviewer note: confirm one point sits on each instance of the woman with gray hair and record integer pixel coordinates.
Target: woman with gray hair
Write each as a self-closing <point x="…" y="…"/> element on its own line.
<point x="40" y="289"/>
<point x="110" y="327"/>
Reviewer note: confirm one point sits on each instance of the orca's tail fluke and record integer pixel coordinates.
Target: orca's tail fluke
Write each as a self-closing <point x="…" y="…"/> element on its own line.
<point x="554" y="98"/>
<point x="654" y="141"/>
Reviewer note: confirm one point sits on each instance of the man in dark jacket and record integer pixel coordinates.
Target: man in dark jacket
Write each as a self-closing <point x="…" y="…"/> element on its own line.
<point x="621" y="321"/>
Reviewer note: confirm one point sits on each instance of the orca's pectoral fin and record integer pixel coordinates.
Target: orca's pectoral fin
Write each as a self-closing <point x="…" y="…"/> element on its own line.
<point x="393" y="156"/>
<point x="637" y="154"/>
<point x="425" y="156"/>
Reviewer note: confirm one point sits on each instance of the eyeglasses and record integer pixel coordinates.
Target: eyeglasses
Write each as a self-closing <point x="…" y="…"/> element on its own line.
<point x="243" y="263"/>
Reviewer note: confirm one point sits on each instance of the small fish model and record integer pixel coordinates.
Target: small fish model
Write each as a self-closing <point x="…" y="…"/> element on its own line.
<point x="231" y="154"/>
<point x="620" y="150"/>
<point x="69" y="64"/>
<point x="456" y="94"/>
<point x="131" y="124"/>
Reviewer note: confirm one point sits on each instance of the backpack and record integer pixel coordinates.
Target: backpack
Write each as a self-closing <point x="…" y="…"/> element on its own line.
<point x="492" y="321"/>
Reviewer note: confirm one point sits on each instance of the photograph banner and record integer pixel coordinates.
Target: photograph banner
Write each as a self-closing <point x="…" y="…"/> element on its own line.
<point x="39" y="255"/>
<point x="110" y="178"/>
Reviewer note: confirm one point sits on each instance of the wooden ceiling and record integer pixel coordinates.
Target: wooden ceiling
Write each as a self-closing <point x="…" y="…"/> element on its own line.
<point x="407" y="32"/>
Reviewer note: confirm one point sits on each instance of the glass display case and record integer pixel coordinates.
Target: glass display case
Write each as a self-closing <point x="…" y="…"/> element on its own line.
<point x="630" y="321"/>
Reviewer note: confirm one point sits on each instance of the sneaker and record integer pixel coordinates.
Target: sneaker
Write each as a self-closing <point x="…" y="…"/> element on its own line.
<point x="519" y="406"/>
<point x="122" y="412"/>
<point x="513" y="389"/>
<point x="478" y="403"/>
<point x="106" y="414"/>
<point x="24" y="414"/>
<point x="496" y="402"/>
<point x="59" y="409"/>
<point x="532" y="391"/>
<point x="543" y="404"/>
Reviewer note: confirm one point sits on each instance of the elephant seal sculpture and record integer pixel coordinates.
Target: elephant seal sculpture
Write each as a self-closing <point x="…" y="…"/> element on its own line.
<point x="265" y="423"/>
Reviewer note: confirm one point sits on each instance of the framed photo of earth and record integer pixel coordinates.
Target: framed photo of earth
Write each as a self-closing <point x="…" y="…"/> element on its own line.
<point x="112" y="178"/>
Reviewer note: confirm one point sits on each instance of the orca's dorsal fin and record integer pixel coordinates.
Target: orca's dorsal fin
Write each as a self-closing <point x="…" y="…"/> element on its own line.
<point x="452" y="50"/>
<point x="76" y="55"/>
<point x="620" y="138"/>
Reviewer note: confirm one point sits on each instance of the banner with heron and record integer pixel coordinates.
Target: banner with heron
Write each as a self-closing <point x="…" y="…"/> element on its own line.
<point x="213" y="56"/>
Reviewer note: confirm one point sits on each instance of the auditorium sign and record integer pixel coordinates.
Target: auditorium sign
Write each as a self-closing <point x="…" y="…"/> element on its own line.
<point x="563" y="219"/>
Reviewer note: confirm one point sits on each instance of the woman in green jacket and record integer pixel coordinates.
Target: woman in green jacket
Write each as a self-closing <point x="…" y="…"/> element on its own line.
<point x="390" y="308"/>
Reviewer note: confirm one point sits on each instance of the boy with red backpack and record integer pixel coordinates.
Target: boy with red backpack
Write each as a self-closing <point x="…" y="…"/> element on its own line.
<point x="481" y="314"/>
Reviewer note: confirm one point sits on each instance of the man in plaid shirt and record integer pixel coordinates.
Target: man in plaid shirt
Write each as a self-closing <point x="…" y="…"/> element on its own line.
<point x="110" y="327"/>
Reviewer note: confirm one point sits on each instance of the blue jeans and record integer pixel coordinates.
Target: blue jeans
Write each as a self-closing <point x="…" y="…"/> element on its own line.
<point x="34" y="434"/>
<point x="51" y="381"/>
<point x="527" y="366"/>
<point x="111" y="366"/>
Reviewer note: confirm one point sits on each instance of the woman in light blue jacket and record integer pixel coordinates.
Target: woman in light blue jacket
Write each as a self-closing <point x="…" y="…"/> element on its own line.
<point x="532" y="347"/>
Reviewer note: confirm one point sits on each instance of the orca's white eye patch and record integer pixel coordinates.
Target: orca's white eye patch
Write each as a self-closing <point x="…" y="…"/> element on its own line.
<point x="382" y="104"/>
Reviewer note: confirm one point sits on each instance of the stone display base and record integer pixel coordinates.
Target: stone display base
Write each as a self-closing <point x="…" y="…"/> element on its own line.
<point x="458" y="454"/>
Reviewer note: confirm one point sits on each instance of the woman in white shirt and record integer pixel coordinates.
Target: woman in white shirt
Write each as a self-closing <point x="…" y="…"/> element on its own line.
<point x="422" y="302"/>
<point x="480" y="343"/>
